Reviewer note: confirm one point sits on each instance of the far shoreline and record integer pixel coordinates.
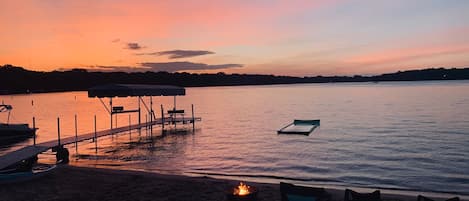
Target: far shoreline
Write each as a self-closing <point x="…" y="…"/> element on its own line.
<point x="17" y="80"/>
<point x="253" y="85"/>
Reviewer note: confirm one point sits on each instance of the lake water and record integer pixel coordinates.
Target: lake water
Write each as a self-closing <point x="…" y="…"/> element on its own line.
<point x="397" y="135"/>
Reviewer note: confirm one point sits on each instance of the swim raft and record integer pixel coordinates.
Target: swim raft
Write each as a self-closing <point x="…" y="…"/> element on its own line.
<point x="301" y="127"/>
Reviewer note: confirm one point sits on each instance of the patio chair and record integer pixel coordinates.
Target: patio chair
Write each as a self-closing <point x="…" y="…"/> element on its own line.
<point x="423" y="198"/>
<point x="351" y="195"/>
<point x="290" y="192"/>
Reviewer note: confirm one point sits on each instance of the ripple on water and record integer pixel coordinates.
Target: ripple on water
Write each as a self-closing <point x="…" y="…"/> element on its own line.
<point x="399" y="135"/>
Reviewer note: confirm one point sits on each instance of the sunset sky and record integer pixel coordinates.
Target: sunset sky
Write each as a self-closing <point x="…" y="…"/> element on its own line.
<point x="300" y="38"/>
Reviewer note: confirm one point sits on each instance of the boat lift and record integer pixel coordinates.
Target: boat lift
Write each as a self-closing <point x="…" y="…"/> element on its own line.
<point x="133" y="90"/>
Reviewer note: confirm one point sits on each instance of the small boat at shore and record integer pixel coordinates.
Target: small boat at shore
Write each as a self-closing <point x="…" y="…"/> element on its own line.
<point x="11" y="176"/>
<point x="11" y="133"/>
<point x="301" y="127"/>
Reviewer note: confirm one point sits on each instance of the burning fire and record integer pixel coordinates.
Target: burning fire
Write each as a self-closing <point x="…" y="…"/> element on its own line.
<point x="242" y="189"/>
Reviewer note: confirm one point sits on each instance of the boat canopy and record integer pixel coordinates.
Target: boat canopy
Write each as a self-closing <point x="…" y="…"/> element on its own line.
<point x="125" y="90"/>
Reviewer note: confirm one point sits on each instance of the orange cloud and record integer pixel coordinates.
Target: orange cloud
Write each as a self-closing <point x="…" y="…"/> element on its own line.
<point x="48" y="34"/>
<point x="441" y="48"/>
<point x="407" y="54"/>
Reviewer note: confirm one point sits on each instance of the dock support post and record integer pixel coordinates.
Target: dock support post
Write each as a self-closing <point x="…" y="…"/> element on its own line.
<point x="146" y="124"/>
<point x="162" y="119"/>
<point x="34" y="130"/>
<point x="76" y="135"/>
<point x="151" y="116"/>
<point x="8" y="118"/>
<point x="193" y="118"/>
<point x="139" y="117"/>
<point x="174" y="108"/>
<point x="130" y="129"/>
<point x="58" y="130"/>
<point x="110" y="103"/>
<point x="95" y="136"/>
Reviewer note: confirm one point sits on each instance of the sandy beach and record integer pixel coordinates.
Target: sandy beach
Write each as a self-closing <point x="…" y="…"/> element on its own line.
<point x="80" y="183"/>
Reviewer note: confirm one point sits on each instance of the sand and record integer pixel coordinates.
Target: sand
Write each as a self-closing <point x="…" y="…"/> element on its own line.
<point x="92" y="184"/>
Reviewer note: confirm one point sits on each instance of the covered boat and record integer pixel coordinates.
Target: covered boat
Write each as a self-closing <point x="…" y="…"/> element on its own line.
<point x="36" y="171"/>
<point x="10" y="133"/>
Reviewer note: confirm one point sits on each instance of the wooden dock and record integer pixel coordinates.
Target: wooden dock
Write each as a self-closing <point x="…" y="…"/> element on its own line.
<point x="33" y="150"/>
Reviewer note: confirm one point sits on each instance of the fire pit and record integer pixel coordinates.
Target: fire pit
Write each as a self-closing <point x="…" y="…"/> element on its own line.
<point x="242" y="192"/>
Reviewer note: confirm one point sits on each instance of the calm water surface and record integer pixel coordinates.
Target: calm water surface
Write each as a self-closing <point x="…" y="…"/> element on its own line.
<point x="403" y="135"/>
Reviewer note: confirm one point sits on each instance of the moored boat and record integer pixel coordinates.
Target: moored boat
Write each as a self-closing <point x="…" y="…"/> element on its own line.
<point x="36" y="171"/>
<point x="10" y="133"/>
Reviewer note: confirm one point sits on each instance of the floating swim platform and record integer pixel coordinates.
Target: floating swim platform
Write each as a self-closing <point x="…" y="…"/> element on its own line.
<point x="301" y="127"/>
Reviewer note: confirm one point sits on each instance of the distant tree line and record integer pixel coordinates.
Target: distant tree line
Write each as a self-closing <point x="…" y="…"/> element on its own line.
<point x="15" y="79"/>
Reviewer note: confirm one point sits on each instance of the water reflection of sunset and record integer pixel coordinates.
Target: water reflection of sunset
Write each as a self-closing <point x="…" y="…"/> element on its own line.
<point x="237" y="137"/>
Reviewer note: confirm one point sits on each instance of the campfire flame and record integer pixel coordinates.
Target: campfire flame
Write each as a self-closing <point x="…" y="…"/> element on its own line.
<point x="242" y="189"/>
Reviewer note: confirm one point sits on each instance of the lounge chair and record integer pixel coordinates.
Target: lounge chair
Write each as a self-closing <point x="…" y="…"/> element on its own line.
<point x="290" y="192"/>
<point x="423" y="198"/>
<point x="351" y="195"/>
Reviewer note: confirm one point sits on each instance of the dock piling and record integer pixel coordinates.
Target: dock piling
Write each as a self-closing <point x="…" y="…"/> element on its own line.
<point x="76" y="135"/>
<point x="130" y="129"/>
<point x="58" y="130"/>
<point x="193" y="118"/>
<point x="162" y="119"/>
<point x="151" y="116"/>
<point x="110" y="103"/>
<point x="95" y="136"/>
<point x="34" y="130"/>
<point x="139" y="116"/>
<point x="174" y="108"/>
<point x="146" y="124"/>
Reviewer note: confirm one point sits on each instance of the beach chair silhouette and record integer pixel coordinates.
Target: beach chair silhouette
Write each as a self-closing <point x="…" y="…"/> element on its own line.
<point x="423" y="198"/>
<point x="290" y="192"/>
<point x="351" y="195"/>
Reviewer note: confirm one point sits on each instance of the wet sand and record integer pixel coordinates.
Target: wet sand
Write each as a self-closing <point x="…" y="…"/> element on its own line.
<point x="91" y="184"/>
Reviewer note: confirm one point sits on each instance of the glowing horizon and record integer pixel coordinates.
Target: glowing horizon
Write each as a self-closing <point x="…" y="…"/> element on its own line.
<point x="299" y="38"/>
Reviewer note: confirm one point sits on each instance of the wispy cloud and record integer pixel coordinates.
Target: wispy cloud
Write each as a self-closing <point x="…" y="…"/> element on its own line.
<point x="101" y="68"/>
<point x="183" y="66"/>
<point x="394" y="56"/>
<point x="133" y="46"/>
<point x="156" y="67"/>
<point x="178" y="54"/>
<point x="116" y="40"/>
<point x="120" y="69"/>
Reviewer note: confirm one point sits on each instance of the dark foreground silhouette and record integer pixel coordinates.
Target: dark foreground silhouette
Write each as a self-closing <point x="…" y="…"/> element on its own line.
<point x="15" y="79"/>
<point x="90" y="184"/>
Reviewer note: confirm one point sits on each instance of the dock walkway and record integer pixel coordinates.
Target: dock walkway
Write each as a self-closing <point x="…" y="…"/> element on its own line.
<point x="33" y="150"/>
